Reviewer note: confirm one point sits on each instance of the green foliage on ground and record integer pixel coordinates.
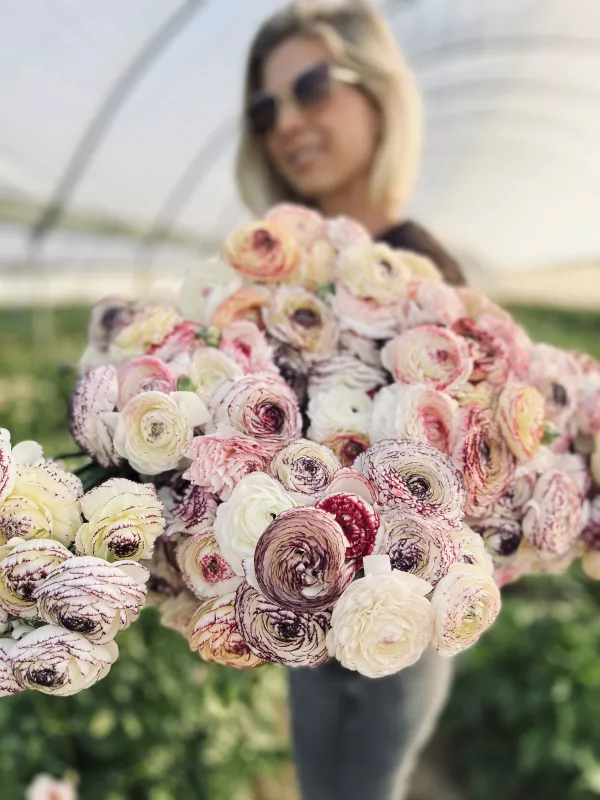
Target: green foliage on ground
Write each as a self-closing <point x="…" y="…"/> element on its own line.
<point x="523" y="720"/>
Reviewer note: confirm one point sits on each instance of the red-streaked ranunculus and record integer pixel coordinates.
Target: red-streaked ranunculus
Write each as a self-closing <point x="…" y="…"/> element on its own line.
<point x="489" y="353"/>
<point x="204" y="569"/>
<point x="188" y="508"/>
<point x="144" y="374"/>
<point x="382" y="623"/>
<point x="220" y="461"/>
<point x="423" y="547"/>
<point x="88" y="595"/>
<point x="95" y="393"/>
<point x="416" y="477"/>
<point x="465" y="603"/>
<point x="553" y="519"/>
<point x="434" y="356"/>
<point x="243" y="342"/>
<point x="284" y="636"/>
<point x="153" y="429"/>
<point x="416" y="412"/>
<point x="501" y="536"/>
<point x="55" y="661"/>
<point x="262" y="251"/>
<point x="23" y="570"/>
<point x="298" y="317"/>
<point x="484" y="459"/>
<point x="8" y="681"/>
<point x="521" y="412"/>
<point x="358" y="521"/>
<point x="305" y="467"/>
<point x="299" y="561"/>
<point x="343" y="369"/>
<point x="214" y="635"/>
<point x="263" y="407"/>
<point x="558" y="376"/>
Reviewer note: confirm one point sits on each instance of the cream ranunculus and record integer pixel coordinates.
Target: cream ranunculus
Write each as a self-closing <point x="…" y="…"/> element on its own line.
<point x="203" y="568"/>
<point x="88" y="595"/>
<point x="124" y="519"/>
<point x="209" y="369"/>
<point x="7" y="466"/>
<point x="466" y="602"/>
<point x="521" y="413"/>
<point x="8" y="681"/>
<point x="340" y="410"/>
<point x="148" y="328"/>
<point x="305" y="468"/>
<point x="205" y="286"/>
<point x="254" y="503"/>
<point x="153" y="429"/>
<point x="23" y="570"/>
<point x="472" y="549"/>
<point x="60" y="662"/>
<point x="373" y="271"/>
<point x="383" y="622"/>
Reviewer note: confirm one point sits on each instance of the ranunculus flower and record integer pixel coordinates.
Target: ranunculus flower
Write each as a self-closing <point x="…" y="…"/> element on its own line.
<point x="210" y="368"/>
<point x="247" y="346"/>
<point x="153" y="429"/>
<point x="246" y="303"/>
<point x="339" y="410"/>
<point x="364" y="316"/>
<point x="23" y="518"/>
<point x="415" y="412"/>
<point x="299" y="561"/>
<point x="420" y="266"/>
<point x="293" y="369"/>
<point x="124" y="519"/>
<point x="362" y="347"/>
<point x="382" y="623"/>
<point x="351" y="480"/>
<point x="45" y="787"/>
<point x="182" y="341"/>
<point x="214" y="635"/>
<point x="427" y="354"/>
<point x="60" y="662"/>
<point x="348" y="446"/>
<point x="8" y="681"/>
<point x="575" y="466"/>
<point x="423" y="547"/>
<point x="483" y="457"/>
<point x="465" y="603"/>
<point x="203" y="566"/>
<point x="343" y="369"/>
<point x="7" y="465"/>
<point x="177" y="612"/>
<point x="296" y="316"/>
<point x="501" y="536"/>
<point x="521" y="412"/>
<point x="95" y="393"/>
<point x="205" y="287"/>
<point x="88" y="595"/>
<point x="489" y="353"/>
<point x="553" y="519"/>
<point x="254" y="503"/>
<point x="281" y="635"/>
<point x="262" y="251"/>
<point x="416" y="477"/>
<point x="188" y="508"/>
<point x="305" y="467"/>
<point x="588" y="407"/>
<point x="107" y="318"/>
<point x="263" y="407"/>
<point x="357" y="519"/>
<point x="221" y="460"/>
<point x="373" y="271"/>
<point x="429" y="302"/>
<point x="148" y="327"/>
<point x="498" y="323"/>
<point x="511" y="503"/>
<point x="559" y="378"/>
<point x="344" y="232"/>
<point x="471" y="549"/>
<point x="143" y="374"/>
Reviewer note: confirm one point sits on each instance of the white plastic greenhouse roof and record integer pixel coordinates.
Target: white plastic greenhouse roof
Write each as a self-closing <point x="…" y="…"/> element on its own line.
<point x="119" y="121"/>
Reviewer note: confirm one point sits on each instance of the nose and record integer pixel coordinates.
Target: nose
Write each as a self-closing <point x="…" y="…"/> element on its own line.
<point x="289" y="119"/>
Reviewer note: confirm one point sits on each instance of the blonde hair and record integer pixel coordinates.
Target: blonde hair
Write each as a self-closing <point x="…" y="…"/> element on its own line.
<point x="359" y="39"/>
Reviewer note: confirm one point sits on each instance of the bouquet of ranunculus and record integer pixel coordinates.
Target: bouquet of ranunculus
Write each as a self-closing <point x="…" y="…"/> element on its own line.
<point x="333" y="431"/>
<point x="69" y="572"/>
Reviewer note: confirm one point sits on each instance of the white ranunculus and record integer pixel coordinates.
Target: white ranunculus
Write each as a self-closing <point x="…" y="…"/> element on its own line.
<point x="383" y="622"/>
<point x="45" y="787"/>
<point x="472" y="549"/>
<point x="203" y="568"/>
<point x="254" y="503"/>
<point x="8" y="681"/>
<point x="7" y="465"/>
<point x="205" y="286"/>
<point x="153" y="429"/>
<point x="88" y="595"/>
<point x="209" y="368"/>
<point x="466" y="602"/>
<point x="124" y="519"/>
<point x="23" y="569"/>
<point x="340" y="410"/>
<point x="55" y="661"/>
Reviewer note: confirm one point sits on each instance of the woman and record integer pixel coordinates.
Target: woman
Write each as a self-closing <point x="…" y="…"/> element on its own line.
<point x="332" y="120"/>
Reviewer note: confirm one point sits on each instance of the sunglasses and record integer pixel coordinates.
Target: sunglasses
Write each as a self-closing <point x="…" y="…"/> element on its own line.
<point x="308" y="89"/>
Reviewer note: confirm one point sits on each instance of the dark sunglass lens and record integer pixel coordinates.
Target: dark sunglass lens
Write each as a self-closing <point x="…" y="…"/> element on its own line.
<point x="313" y="85"/>
<point x="262" y="114"/>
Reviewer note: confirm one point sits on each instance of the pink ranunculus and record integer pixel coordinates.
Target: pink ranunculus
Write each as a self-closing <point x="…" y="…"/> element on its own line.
<point x="490" y="354"/>
<point x="553" y="519"/>
<point x="220" y="461"/>
<point x="95" y="393"/>
<point x="262" y="407"/>
<point x="575" y="466"/>
<point x="427" y="354"/>
<point x="558" y="376"/>
<point x="499" y="324"/>
<point x="430" y="302"/>
<point x="520" y="414"/>
<point x="588" y="408"/>
<point x="182" y="339"/>
<point x="144" y="374"/>
<point x="363" y="316"/>
<point x="243" y="342"/>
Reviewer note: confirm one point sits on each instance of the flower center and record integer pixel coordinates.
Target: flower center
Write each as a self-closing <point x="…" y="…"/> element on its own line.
<point x="306" y="317"/>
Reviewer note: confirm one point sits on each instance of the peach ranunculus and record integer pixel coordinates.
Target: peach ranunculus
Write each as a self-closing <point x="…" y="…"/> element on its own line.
<point x="373" y="271"/>
<point x="298" y="317"/>
<point x="262" y="251"/>
<point x="243" y="342"/>
<point x="521" y="413"/>
<point x="246" y="302"/>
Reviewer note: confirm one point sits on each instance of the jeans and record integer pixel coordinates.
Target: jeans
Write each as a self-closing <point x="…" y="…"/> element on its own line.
<point x="358" y="738"/>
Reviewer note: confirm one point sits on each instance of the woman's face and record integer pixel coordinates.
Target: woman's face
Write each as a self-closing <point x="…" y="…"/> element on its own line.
<point x="324" y="149"/>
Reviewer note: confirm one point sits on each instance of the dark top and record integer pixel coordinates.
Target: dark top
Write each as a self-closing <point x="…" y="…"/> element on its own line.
<point x="410" y="236"/>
